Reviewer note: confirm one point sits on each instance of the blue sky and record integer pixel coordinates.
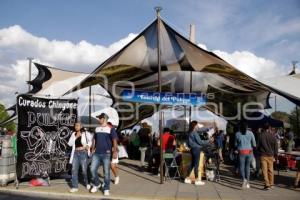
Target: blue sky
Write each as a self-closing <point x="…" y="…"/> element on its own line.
<point x="260" y="37"/>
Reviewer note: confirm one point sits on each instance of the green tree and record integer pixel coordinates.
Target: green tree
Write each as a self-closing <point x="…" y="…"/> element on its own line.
<point x="3" y="116"/>
<point x="282" y="116"/>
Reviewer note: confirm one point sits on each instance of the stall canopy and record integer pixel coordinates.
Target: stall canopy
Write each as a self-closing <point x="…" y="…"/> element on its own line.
<point x="185" y="68"/>
<point x="258" y="119"/>
<point x="49" y="82"/>
<point x="287" y="86"/>
<point x="137" y="63"/>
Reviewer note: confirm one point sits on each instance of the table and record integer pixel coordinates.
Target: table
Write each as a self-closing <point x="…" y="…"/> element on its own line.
<point x="287" y="160"/>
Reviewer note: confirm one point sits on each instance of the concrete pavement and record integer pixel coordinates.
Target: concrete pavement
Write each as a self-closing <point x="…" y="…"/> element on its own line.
<point x="135" y="184"/>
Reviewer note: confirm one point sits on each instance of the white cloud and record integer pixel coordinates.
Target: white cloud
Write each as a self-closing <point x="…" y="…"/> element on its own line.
<point x="249" y="63"/>
<point x="203" y="46"/>
<point x="16" y="45"/>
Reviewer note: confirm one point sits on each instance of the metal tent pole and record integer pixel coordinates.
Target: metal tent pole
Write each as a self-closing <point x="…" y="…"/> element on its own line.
<point x="158" y="9"/>
<point x="90" y="106"/>
<point x="192" y="39"/>
<point x="275" y="103"/>
<point x="191" y="90"/>
<point x="29" y="72"/>
<point x="297" y="121"/>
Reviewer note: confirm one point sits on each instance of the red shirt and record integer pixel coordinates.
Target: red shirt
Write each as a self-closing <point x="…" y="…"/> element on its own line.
<point x="167" y="141"/>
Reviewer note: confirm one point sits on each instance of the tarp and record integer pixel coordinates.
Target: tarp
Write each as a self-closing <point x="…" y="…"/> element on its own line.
<point x="137" y="63"/>
<point x="54" y="82"/>
<point x="49" y="82"/>
<point x="287" y="86"/>
<point x="259" y="119"/>
<point x="177" y="121"/>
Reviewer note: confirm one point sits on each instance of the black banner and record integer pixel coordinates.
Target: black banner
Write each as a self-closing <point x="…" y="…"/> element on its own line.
<point x="44" y="128"/>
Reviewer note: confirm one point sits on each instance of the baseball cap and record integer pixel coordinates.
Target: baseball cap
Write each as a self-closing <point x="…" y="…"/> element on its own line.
<point x="102" y="115"/>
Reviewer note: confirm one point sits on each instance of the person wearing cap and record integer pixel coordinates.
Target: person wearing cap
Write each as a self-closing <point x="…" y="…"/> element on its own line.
<point x="105" y="144"/>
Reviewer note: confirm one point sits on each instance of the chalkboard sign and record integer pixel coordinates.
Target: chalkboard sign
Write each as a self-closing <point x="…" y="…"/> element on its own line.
<point x="44" y="128"/>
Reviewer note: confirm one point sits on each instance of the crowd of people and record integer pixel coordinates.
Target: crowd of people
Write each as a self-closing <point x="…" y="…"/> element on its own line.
<point x="249" y="147"/>
<point x="246" y="147"/>
<point x="263" y="145"/>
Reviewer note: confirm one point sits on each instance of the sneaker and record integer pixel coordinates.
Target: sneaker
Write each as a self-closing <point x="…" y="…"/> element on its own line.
<point x="199" y="182"/>
<point x="106" y="192"/>
<point x="244" y="185"/>
<point x="94" y="189"/>
<point x="117" y="180"/>
<point x="188" y="181"/>
<point x="272" y="186"/>
<point x="247" y="185"/>
<point x="267" y="188"/>
<point x="88" y="187"/>
<point x="72" y="190"/>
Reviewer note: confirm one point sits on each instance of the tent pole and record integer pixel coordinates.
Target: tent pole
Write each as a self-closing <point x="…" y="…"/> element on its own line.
<point x="275" y="103"/>
<point x="158" y="9"/>
<point x="192" y="39"/>
<point x="90" y="106"/>
<point x="29" y="72"/>
<point x="297" y="121"/>
<point x="191" y="89"/>
<point x="184" y="119"/>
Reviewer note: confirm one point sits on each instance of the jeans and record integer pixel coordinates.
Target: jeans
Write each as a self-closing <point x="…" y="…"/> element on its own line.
<point x="220" y="152"/>
<point x="245" y="161"/>
<point x="195" y="161"/>
<point x="258" y="164"/>
<point x="98" y="159"/>
<point x="143" y="154"/>
<point x="79" y="159"/>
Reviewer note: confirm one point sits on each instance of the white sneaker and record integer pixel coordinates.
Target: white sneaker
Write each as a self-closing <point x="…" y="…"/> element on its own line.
<point x="88" y="187"/>
<point x="94" y="189"/>
<point x="199" y="182"/>
<point x="72" y="190"/>
<point x="117" y="180"/>
<point x="247" y="185"/>
<point x="244" y="185"/>
<point x="106" y="192"/>
<point x="188" y="181"/>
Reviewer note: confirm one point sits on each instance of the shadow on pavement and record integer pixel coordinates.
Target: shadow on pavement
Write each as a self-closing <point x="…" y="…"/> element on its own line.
<point x="139" y="172"/>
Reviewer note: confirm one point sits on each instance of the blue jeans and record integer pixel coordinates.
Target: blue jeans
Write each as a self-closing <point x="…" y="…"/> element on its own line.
<point x="195" y="161"/>
<point x="257" y="158"/>
<point x="98" y="159"/>
<point x="245" y="161"/>
<point x="79" y="159"/>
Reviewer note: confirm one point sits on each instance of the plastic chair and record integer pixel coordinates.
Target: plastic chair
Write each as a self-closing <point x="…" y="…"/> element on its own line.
<point x="171" y="163"/>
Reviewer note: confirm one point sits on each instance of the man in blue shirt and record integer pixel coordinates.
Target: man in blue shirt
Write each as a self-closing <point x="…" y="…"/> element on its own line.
<point x="105" y="141"/>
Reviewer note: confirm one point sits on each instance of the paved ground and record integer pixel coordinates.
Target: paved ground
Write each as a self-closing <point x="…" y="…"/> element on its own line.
<point x="135" y="184"/>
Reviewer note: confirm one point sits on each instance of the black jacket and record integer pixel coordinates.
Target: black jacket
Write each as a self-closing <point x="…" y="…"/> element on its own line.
<point x="267" y="144"/>
<point x="144" y="137"/>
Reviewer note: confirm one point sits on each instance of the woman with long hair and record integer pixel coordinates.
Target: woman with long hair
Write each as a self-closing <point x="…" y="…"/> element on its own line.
<point x="196" y="145"/>
<point x="80" y="141"/>
<point x="245" y="142"/>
